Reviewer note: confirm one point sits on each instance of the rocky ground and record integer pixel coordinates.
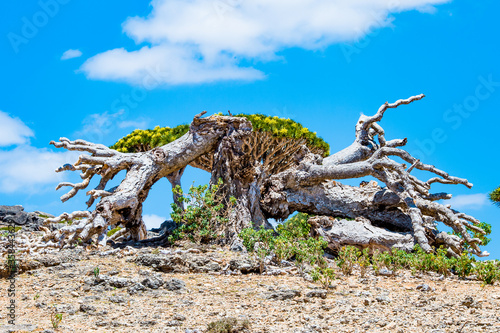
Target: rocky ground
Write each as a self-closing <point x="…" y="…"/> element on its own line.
<point x="183" y="290"/>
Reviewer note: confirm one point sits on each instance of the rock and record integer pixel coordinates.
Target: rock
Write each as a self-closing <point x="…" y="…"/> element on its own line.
<point x="166" y="227"/>
<point x="383" y="299"/>
<point x="117" y="299"/>
<point x="135" y="288"/>
<point x="174" y="284"/>
<point x="244" y="265"/>
<point x="470" y="303"/>
<point x="237" y="245"/>
<point x="425" y="288"/>
<point x="75" y="294"/>
<point x="17" y="216"/>
<point x="173" y="323"/>
<point x="17" y="328"/>
<point x="152" y="282"/>
<point x="201" y="264"/>
<point x="87" y="308"/>
<point x="147" y="323"/>
<point x="385" y="272"/>
<point x="110" y="252"/>
<point x="179" y="317"/>
<point x="316" y="293"/>
<point x="281" y="294"/>
<point x="118" y="282"/>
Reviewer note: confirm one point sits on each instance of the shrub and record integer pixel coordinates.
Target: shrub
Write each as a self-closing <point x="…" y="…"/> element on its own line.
<point x="347" y="259"/>
<point x="206" y="213"/>
<point x="261" y="242"/>
<point x="323" y="275"/>
<point x="464" y="265"/>
<point x="113" y="231"/>
<point x="364" y="262"/>
<point x="228" y="325"/>
<point x="487" y="271"/>
<point x="55" y="318"/>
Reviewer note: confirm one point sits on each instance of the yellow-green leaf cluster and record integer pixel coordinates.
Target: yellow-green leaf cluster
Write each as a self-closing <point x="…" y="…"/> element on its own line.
<point x="283" y="127"/>
<point x="143" y="140"/>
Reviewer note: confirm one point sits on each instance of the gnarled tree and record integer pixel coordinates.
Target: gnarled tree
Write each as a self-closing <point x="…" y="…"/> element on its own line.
<point x="273" y="171"/>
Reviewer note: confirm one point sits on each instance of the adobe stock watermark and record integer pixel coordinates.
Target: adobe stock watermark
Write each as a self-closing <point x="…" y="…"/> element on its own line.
<point x="31" y="25"/>
<point x="224" y="7"/>
<point x="456" y="115"/>
<point x="12" y="268"/>
<point x="356" y="47"/>
<point x="122" y="106"/>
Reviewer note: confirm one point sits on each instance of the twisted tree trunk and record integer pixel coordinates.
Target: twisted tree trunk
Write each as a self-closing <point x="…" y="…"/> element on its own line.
<point x="274" y="177"/>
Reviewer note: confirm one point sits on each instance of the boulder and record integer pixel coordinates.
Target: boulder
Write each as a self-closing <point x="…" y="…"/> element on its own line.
<point x="17" y="216"/>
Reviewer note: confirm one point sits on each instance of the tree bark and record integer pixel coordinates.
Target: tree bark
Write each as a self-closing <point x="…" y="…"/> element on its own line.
<point x="275" y="177"/>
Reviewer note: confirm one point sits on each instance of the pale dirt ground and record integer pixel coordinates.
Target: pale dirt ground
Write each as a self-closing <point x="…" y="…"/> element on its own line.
<point x="350" y="306"/>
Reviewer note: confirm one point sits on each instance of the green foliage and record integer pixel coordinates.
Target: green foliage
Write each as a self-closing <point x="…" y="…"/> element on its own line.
<point x="260" y="241"/>
<point x="281" y="127"/>
<point x="12" y="264"/>
<point x="96" y="271"/>
<point x="347" y="259"/>
<point x="292" y="242"/>
<point x="488" y="271"/>
<point x="495" y="196"/>
<point x="143" y="140"/>
<point x="474" y="234"/>
<point x="16" y="229"/>
<point x="364" y="262"/>
<point x="204" y="216"/>
<point x="323" y="275"/>
<point x="381" y="260"/>
<point x="228" y="325"/>
<point x="295" y="227"/>
<point x="113" y="231"/>
<point x="464" y="265"/>
<point x="55" y="318"/>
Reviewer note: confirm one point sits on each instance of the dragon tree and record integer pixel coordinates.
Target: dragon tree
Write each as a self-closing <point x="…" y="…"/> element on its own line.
<point x="273" y="168"/>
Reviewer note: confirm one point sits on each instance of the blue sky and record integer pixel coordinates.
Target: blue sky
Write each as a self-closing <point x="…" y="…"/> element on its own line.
<point x="99" y="69"/>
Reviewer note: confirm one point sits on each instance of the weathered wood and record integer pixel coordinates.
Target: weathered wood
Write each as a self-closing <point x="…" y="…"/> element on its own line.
<point x="273" y="178"/>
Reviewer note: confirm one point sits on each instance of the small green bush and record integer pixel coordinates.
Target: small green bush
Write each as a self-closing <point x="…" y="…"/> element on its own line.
<point x="347" y="259"/>
<point x="228" y="325"/>
<point x="203" y="219"/>
<point x="464" y="265"/>
<point x="487" y="271"/>
<point x="16" y="229"/>
<point x="113" y="231"/>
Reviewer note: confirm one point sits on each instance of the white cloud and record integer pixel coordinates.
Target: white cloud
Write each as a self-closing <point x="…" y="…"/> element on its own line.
<point x="26" y="169"/>
<point x="13" y="131"/>
<point x="96" y="126"/>
<point x="136" y="124"/>
<point x="470" y="201"/>
<point x="205" y="40"/>
<point x="153" y="221"/>
<point x="70" y="54"/>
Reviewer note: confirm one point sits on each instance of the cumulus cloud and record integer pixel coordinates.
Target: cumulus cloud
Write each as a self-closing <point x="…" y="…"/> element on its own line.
<point x="13" y="131"/>
<point x="70" y="54"/>
<point x="96" y="126"/>
<point x="26" y="169"/>
<point x="198" y="41"/>
<point x="470" y="201"/>
<point x="152" y="220"/>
